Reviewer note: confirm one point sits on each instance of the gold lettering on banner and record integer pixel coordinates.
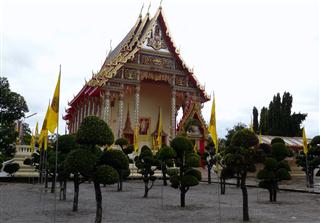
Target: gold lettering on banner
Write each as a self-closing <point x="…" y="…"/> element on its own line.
<point x="144" y="75"/>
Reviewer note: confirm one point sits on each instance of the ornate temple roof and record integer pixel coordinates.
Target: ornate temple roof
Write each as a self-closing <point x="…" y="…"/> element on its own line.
<point x="126" y="50"/>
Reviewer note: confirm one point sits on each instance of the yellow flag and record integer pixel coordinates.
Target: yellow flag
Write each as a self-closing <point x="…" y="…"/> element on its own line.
<point x="36" y="132"/>
<point x="54" y="108"/>
<point x="159" y="136"/>
<point x="44" y="130"/>
<point x="135" y="139"/>
<point x="32" y="143"/>
<point x="212" y="125"/>
<point x="305" y="141"/>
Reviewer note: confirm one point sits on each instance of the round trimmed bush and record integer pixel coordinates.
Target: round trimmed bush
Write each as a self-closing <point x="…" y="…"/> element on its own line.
<point x="315" y="141"/>
<point x="105" y="174"/>
<point x="181" y="144"/>
<point x="11" y="168"/>
<point x="94" y="131"/>
<point x="115" y="158"/>
<point x="277" y="140"/>
<point x="280" y="151"/>
<point x="189" y="181"/>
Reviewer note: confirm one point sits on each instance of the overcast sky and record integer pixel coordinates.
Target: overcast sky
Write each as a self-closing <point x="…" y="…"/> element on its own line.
<point x="246" y="51"/>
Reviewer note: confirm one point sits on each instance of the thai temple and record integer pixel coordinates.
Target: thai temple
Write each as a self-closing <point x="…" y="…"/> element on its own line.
<point x="143" y="77"/>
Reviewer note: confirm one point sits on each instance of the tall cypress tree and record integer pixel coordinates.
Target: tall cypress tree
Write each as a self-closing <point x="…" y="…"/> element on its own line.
<point x="264" y="127"/>
<point x="255" y="123"/>
<point x="277" y="120"/>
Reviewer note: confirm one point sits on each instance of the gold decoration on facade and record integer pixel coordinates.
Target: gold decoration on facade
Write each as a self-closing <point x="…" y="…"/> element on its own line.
<point x="158" y="61"/>
<point x="181" y="81"/>
<point x="156" y="40"/>
<point x="130" y="74"/>
<point x="155" y="76"/>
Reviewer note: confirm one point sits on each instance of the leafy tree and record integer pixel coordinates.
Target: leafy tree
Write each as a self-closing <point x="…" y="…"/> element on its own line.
<point x="276" y="169"/>
<point x="95" y="132"/>
<point x="118" y="160"/>
<point x="146" y="163"/>
<point x="12" y="108"/>
<point x="186" y="176"/>
<point x="238" y="159"/>
<point x="165" y="157"/>
<point x="231" y="132"/>
<point x="11" y="168"/>
<point x="66" y="144"/>
<point x="81" y="163"/>
<point x="255" y="123"/>
<point x="313" y="157"/>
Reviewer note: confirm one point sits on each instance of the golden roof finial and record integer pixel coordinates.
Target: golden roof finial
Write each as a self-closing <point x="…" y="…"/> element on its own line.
<point x="140" y="15"/>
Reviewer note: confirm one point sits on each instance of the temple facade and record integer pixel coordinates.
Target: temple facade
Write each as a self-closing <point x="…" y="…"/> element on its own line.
<point x="143" y="76"/>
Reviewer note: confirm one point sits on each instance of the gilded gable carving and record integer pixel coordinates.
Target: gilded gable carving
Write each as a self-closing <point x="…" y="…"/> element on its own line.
<point x="154" y="76"/>
<point x="157" y="61"/>
<point x="156" y="40"/>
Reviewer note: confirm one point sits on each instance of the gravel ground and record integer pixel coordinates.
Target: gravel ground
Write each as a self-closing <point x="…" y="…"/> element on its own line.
<point x="27" y="203"/>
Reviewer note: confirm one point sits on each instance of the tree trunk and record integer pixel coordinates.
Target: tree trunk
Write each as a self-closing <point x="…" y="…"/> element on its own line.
<point x="223" y="185"/>
<point x="64" y="190"/>
<point x="61" y="189"/>
<point x="164" y="175"/>
<point x="46" y="179"/>
<point x="120" y="181"/>
<point x="76" y="192"/>
<point x="209" y="175"/>
<point x="238" y="180"/>
<point x="98" y="201"/>
<point x="146" y="189"/>
<point x="244" y="197"/>
<point x="53" y="184"/>
<point x="275" y="195"/>
<point x="270" y="194"/>
<point x="311" y="181"/>
<point x="182" y="197"/>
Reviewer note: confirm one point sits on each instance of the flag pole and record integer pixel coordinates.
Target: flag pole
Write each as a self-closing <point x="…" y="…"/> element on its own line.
<point x="56" y="160"/>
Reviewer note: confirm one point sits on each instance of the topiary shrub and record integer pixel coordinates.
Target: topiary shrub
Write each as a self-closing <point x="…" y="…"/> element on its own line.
<point x="95" y="132"/>
<point x="238" y="159"/>
<point x="313" y="157"/>
<point x="146" y="163"/>
<point x="276" y="169"/>
<point x="165" y="157"/>
<point x="118" y="160"/>
<point x="185" y="159"/>
<point x="27" y="161"/>
<point x="11" y="168"/>
<point x="277" y="140"/>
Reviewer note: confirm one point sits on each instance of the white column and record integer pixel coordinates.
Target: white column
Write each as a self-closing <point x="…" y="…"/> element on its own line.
<point x="137" y="105"/>
<point x="173" y="114"/>
<point x="120" y="114"/>
<point x="107" y="107"/>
